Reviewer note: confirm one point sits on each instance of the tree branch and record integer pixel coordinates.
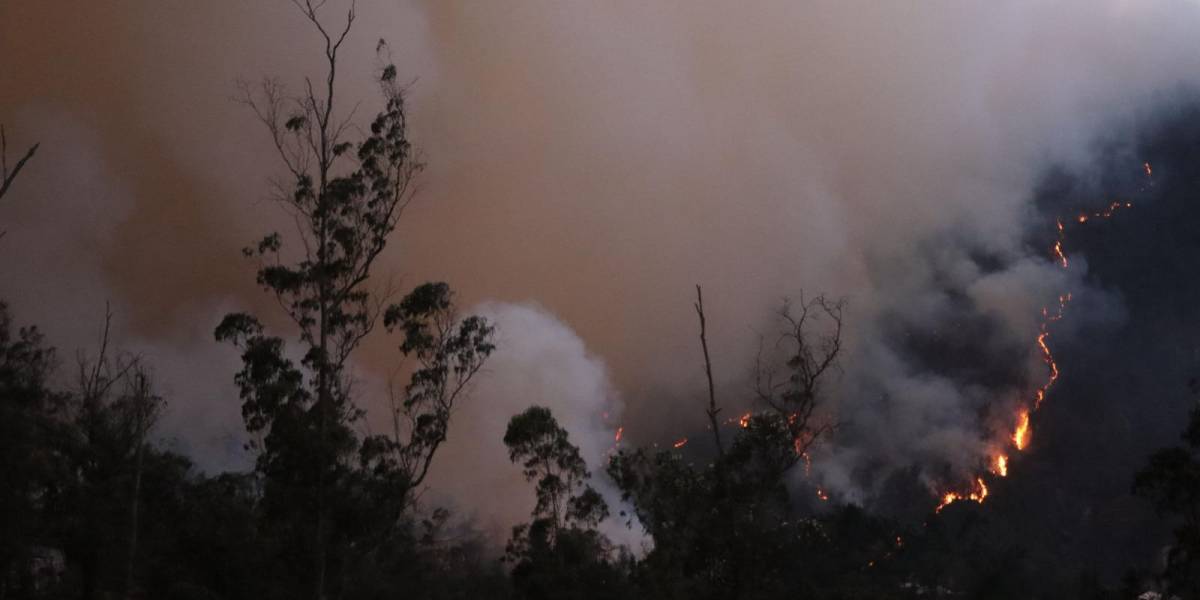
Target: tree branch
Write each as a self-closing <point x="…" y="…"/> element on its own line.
<point x="712" y="410"/>
<point x="6" y="177"/>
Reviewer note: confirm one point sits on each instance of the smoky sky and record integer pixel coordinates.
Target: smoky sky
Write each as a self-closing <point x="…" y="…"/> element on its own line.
<point x="588" y="165"/>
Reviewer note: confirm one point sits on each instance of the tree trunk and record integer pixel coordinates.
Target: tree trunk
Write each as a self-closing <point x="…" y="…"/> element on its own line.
<point x="133" y="519"/>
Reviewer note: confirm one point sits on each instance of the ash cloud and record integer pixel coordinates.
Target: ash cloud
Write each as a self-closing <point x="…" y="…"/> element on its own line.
<point x="601" y="159"/>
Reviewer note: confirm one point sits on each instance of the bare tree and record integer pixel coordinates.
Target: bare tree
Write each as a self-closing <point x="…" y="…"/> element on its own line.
<point x="809" y="357"/>
<point x="116" y="408"/>
<point x="712" y="411"/>
<point x="144" y="409"/>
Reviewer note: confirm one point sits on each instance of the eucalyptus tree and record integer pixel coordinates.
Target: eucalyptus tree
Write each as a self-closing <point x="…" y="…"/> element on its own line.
<point x="320" y="480"/>
<point x="559" y="554"/>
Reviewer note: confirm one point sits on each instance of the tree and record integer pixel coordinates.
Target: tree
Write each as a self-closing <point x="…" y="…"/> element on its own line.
<point x="559" y="554"/>
<point x="808" y="360"/>
<point x="723" y="529"/>
<point x="1171" y="481"/>
<point x="28" y="464"/>
<point x="104" y="442"/>
<point x="346" y="199"/>
<point x="448" y="352"/>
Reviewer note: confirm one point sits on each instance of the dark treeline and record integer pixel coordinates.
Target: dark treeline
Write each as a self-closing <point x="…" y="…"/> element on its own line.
<point x="91" y="508"/>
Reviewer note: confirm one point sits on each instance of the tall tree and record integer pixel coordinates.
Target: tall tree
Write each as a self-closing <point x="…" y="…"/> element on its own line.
<point x="346" y="199"/>
<point x="559" y="554"/>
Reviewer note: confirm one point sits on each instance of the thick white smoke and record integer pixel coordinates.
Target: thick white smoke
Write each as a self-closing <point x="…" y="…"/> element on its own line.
<point x="539" y="361"/>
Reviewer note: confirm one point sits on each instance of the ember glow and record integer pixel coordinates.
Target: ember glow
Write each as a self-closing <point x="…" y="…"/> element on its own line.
<point x="681" y="442"/>
<point x="1058" y="253"/>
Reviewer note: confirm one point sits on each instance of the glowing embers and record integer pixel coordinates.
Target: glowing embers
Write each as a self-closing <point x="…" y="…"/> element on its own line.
<point x="1058" y="253"/>
<point x="1108" y="211"/>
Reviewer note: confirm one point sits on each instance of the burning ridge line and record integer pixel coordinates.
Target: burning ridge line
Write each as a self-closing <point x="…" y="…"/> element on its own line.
<point x="1022" y="433"/>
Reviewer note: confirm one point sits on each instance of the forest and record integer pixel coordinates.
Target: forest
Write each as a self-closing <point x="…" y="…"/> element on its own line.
<point x="93" y="505"/>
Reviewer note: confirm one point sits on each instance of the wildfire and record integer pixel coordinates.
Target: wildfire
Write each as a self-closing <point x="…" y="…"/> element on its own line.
<point x="1058" y="253"/>
<point x="1021" y="435"/>
<point x="620" y="432"/>
<point x="681" y="442"/>
<point x="822" y="495"/>
<point x="1000" y="465"/>
<point x="744" y="421"/>
<point x="1049" y="360"/>
<point x="979" y="494"/>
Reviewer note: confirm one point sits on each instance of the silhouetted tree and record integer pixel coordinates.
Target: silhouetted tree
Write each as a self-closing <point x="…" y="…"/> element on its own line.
<point x="559" y="554"/>
<point x="109" y="416"/>
<point x="722" y="529"/>
<point x="321" y="481"/>
<point x="28" y="463"/>
<point x="1171" y="480"/>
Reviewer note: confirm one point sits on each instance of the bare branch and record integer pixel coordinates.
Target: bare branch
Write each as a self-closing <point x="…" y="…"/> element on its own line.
<point x="6" y="177"/>
<point x="808" y="359"/>
<point x="712" y="410"/>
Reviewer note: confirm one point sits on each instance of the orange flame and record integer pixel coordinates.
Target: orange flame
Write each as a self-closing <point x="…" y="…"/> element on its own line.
<point x="620" y="431"/>
<point x="681" y="442"/>
<point x="1022" y="435"/>
<point x="979" y="494"/>
<point x="822" y="495"/>
<point x="1000" y="465"/>
<point x="1058" y="253"/>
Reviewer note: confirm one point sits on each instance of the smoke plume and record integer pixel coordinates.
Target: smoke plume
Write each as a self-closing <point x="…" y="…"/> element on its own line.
<point x="600" y="160"/>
